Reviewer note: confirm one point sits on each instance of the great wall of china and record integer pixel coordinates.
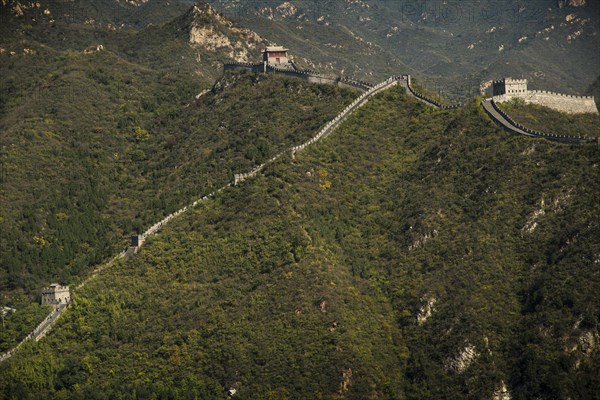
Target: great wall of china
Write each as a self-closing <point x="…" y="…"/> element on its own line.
<point x="504" y="120"/>
<point x="45" y="326"/>
<point x="561" y="102"/>
<point x="566" y="103"/>
<point x="306" y="74"/>
<point x="489" y="105"/>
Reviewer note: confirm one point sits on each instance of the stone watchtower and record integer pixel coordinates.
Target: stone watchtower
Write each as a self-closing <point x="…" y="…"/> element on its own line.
<point x="276" y="56"/>
<point x="136" y="242"/>
<point x="508" y="89"/>
<point x="509" y="86"/>
<point x="56" y="294"/>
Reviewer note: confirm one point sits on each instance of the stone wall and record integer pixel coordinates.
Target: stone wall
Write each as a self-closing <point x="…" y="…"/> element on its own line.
<point x="238" y="66"/>
<point x="516" y="127"/>
<point x="422" y="97"/>
<point x="40" y="331"/>
<point x="556" y="101"/>
<point x="308" y="75"/>
<point x="509" y="86"/>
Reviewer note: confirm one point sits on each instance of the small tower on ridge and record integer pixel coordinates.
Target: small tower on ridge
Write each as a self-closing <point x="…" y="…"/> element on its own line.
<point x="276" y="56"/>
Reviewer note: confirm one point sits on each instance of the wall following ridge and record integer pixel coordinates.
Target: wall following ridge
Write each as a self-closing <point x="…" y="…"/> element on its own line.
<point x="236" y="66"/>
<point x="308" y="75"/>
<point x="515" y="126"/>
<point x="426" y="99"/>
<point x="556" y="101"/>
<point x="358" y="102"/>
<point x="42" y="329"/>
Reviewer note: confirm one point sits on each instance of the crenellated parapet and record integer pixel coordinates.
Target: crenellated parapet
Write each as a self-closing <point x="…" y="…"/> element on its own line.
<point x="501" y="117"/>
<point x="510" y="80"/>
<point x="507" y="89"/>
<point x="566" y="103"/>
<point x="236" y="66"/>
<point x="426" y="99"/>
<point x="571" y="96"/>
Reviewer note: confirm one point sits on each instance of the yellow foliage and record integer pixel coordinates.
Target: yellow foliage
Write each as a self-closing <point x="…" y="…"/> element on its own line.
<point x="325" y="185"/>
<point x="141" y="135"/>
<point x="40" y="241"/>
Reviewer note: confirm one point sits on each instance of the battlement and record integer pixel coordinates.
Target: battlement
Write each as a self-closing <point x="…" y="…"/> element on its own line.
<point x="504" y="119"/>
<point x="510" y="81"/>
<point x="509" y="86"/>
<point x="566" y="103"/>
<point x="56" y="294"/>
<point x="243" y="64"/>
<point x="571" y="96"/>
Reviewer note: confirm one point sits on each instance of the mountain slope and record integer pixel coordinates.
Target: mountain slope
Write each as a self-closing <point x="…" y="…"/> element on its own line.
<point x="115" y="14"/>
<point x="413" y="254"/>
<point x="85" y="130"/>
<point x="454" y="45"/>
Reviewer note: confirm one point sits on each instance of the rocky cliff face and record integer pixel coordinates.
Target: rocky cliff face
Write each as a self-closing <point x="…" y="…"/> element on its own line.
<point x="571" y="3"/>
<point x="207" y="29"/>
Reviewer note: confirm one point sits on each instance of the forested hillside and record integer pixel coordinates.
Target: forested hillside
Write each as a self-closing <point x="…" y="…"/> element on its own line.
<point x="415" y="254"/>
<point x="103" y="131"/>
<point x="76" y="185"/>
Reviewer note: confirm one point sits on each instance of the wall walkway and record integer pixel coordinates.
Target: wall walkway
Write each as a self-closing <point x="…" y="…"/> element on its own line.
<point x="425" y="99"/>
<point x="39" y="332"/>
<point x="504" y="120"/>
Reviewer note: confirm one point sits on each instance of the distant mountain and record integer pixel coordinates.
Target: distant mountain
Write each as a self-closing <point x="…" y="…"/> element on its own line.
<point x="206" y="29"/>
<point x="114" y="14"/>
<point x="454" y="45"/>
<point x="197" y="41"/>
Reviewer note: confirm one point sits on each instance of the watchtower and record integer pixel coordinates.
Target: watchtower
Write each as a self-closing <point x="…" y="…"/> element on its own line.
<point x="276" y="56"/>
<point x="509" y="87"/>
<point x="136" y="242"/>
<point x="56" y="294"/>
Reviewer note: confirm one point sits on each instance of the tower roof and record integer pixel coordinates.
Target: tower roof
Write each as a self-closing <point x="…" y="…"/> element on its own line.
<point x="275" y="48"/>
